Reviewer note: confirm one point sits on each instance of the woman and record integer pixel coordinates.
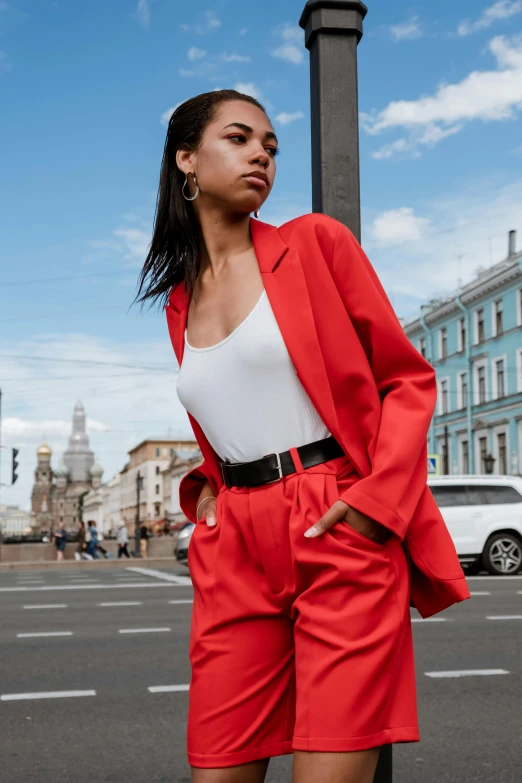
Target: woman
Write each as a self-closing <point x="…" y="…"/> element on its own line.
<point x="92" y="540"/>
<point x="311" y="409"/>
<point x="82" y="546"/>
<point x="60" y="540"/>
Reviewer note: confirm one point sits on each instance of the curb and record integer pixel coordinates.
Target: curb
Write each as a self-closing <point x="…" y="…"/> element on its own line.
<point x="89" y="565"/>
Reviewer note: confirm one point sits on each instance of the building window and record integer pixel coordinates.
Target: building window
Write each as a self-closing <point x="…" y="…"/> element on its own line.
<point x="498" y="316"/>
<point x="463" y="390"/>
<point x="519" y="307"/>
<point x="502" y="453"/>
<point x="465" y="456"/>
<point x="157" y="470"/>
<point x="483" y="445"/>
<point x="479" y="316"/>
<point x="171" y="452"/>
<point x="444" y="396"/>
<point x="462" y="334"/>
<point x="157" y="509"/>
<point x="481" y="374"/>
<point x="500" y="375"/>
<point x="157" y="489"/>
<point x="157" y="451"/>
<point x="443" y="343"/>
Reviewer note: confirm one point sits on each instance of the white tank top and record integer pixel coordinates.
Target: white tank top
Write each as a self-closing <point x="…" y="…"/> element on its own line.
<point x="244" y="391"/>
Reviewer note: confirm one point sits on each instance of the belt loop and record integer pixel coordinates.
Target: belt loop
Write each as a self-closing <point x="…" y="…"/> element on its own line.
<point x="297" y="459"/>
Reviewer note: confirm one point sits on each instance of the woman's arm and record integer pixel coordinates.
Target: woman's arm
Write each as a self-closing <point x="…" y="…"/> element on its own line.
<point x="407" y="387"/>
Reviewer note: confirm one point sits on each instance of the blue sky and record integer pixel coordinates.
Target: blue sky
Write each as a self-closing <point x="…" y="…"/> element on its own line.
<point x="85" y="94"/>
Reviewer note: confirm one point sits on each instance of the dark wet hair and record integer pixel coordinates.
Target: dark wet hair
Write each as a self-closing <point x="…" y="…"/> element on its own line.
<point x="174" y="250"/>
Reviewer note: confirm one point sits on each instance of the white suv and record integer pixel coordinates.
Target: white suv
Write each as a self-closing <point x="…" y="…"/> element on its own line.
<point x="483" y="514"/>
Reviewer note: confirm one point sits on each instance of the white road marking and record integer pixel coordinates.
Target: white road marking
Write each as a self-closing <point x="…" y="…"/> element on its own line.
<point x="47" y="633"/>
<point x="167" y="688"/>
<point x="144" y="630"/>
<point x="45" y="606"/>
<point x="121" y="603"/>
<point x="504" y="617"/>
<point x="87" y="587"/>
<point x="183" y="601"/>
<point x="519" y="592"/>
<point x="179" y="580"/>
<point x="429" y="619"/>
<point x="45" y="695"/>
<point x="479" y="592"/>
<point x="466" y="673"/>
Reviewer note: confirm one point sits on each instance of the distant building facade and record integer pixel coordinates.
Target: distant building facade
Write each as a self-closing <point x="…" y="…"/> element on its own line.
<point x="150" y="458"/>
<point x="57" y="494"/>
<point x="474" y="341"/>
<point x="14" y="521"/>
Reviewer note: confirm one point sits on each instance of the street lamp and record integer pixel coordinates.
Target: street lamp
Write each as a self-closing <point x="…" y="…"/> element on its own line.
<point x="488" y="463"/>
<point x="333" y="29"/>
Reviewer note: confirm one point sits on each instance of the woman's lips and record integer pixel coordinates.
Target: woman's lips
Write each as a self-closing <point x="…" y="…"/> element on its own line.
<point x="260" y="183"/>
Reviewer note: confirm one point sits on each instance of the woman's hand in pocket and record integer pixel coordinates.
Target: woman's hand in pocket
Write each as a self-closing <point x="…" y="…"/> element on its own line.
<point x="363" y="524"/>
<point x="208" y="509"/>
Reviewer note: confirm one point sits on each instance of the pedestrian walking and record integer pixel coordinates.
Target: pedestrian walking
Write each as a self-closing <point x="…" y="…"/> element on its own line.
<point x="315" y="530"/>
<point x="122" y="537"/>
<point x="144" y="539"/>
<point x="92" y="540"/>
<point x="81" y="546"/>
<point x="60" y="541"/>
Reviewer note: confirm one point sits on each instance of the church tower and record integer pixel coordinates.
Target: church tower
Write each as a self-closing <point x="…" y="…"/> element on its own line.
<point x="78" y="458"/>
<point x="43" y="484"/>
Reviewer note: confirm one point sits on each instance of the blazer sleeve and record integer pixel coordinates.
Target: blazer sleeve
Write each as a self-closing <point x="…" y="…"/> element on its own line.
<point x="190" y="488"/>
<point x="407" y="388"/>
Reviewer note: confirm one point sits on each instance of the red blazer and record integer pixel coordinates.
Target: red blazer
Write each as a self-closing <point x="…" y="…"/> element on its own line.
<point x="371" y="386"/>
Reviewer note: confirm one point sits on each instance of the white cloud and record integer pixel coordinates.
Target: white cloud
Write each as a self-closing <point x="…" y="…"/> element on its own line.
<point x="284" y="118"/>
<point x="123" y="405"/>
<point x="167" y="114"/>
<point x="142" y="13"/>
<point x="423" y="252"/>
<point x="407" y="31"/>
<point x="248" y="88"/>
<point x="293" y="47"/>
<point x="503" y="9"/>
<point x="399" y="225"/>
<point x="129" y="243"/>
<point x="204" y="68"/>
<point x="235" y="58"/>
<point x="482" y="95"/>
<point x="195" y="54"/>
<point x="210" y="23"/>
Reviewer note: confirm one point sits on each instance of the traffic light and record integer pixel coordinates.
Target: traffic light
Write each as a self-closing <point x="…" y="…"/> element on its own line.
<point x="15" y="465"/>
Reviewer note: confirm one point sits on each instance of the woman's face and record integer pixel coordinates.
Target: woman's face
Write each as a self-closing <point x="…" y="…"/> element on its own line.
<point x="240" y="140"/>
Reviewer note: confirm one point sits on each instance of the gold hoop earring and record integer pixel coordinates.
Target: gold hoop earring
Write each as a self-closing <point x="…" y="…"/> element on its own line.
<point x="190" y="198"/>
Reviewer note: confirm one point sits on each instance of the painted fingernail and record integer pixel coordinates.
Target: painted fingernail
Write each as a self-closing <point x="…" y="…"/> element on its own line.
<point x="313" y="531"/>
<point x="211" y="521"/>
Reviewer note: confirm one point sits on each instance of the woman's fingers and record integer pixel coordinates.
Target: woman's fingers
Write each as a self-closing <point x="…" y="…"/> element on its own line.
<point x="328" y="520"/>
<point x="211" y="513"/>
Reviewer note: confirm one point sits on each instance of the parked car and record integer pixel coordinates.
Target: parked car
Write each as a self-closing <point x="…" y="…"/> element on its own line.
<point x="182" y="542"/>
<point x="483" y="514"/>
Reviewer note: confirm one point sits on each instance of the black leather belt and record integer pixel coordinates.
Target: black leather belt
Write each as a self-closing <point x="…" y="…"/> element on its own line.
<point x="273" y="467"/>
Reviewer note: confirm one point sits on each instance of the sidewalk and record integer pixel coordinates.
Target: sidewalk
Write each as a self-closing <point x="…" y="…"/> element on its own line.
<point x="89" y="565"/>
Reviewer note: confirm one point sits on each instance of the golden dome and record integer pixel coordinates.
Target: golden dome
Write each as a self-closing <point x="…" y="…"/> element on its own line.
<point x="44" y="450"/>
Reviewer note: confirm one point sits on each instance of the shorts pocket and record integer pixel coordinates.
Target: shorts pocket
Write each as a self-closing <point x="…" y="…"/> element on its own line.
<point x="361" y="537"/>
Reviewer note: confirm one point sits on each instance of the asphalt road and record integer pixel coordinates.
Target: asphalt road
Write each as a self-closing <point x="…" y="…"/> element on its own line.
<point x="122" y="637"/>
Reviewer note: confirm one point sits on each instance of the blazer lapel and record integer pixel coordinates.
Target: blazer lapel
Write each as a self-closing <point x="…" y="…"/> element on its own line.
<point x="287" y="292"/>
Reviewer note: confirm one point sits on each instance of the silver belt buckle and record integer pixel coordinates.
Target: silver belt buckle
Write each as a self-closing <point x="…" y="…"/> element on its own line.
<point x="280" y="469"/>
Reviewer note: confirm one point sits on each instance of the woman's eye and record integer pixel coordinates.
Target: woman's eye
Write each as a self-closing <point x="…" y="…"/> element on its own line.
<point x="273" y="150"/>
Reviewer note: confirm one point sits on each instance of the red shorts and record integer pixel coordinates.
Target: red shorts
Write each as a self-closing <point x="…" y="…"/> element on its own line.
<point x="296" y="643"/>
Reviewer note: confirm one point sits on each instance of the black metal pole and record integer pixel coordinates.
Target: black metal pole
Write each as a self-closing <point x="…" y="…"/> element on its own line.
<point x="137" y="523"/>
<point x="333" y="28"/>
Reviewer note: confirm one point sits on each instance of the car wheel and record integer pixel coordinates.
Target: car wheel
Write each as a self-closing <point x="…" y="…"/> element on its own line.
<point x="502" y="554"/>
